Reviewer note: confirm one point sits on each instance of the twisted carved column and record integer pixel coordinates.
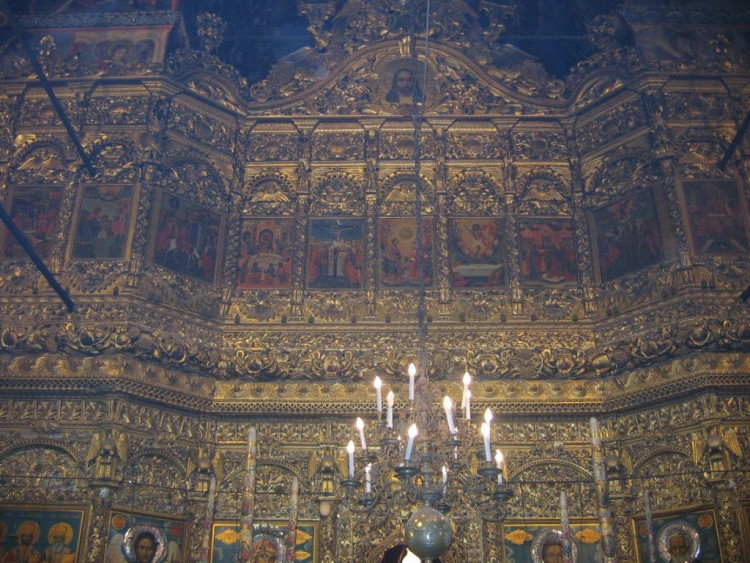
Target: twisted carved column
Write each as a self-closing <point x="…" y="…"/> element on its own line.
<point x="101" y="501"/>
<point x="727" y="521"/>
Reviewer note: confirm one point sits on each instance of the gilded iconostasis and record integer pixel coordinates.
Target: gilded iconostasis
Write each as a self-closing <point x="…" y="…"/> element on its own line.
<point x="252" y="256"/>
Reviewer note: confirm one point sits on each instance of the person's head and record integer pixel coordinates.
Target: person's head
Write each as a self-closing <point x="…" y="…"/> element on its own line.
<point x="59" y="533"/>
<point x="552" y="553"/>
<point x="403" y="81"/>
<point x="264" y="551"/>
<point x="28" y="533"/>
<point x="144" y="547"/>
<point x="678" y="547"/>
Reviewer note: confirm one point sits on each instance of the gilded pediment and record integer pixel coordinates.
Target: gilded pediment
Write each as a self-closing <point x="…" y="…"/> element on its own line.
<point x="392" y="77"/>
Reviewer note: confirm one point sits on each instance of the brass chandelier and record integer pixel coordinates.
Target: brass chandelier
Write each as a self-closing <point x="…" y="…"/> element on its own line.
<point x="428" y="461"/>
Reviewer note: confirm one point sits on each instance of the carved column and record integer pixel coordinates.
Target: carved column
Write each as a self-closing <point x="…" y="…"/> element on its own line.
<point x="725" y="501"/>
<point x="298" y="283"/>
<point x="622" y="512"/>
<point x="101" y="502"/>
<point x="492" y="548"/>
<point x="370" y="255"/>
<point x="195" y="511"/>
<point x="585" y="265"/>
<point x="441" y="256"/>
<point x="328" y="536"/>
<point x="514" y="254"/>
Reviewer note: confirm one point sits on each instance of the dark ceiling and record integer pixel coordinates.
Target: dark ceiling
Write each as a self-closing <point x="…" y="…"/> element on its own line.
<point x="259" y="32"/>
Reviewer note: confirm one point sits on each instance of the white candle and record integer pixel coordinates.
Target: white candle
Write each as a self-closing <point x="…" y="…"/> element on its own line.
<point x="361" y="430"/>
<point x="410" y="444"/>
<point x="412" y="373"/>
<point x="563" y="505"/>
<point x="499" y="459"/>
<point x="486" y="436"/>
<point x="378" y="393"/>
<point x="448" y="405"/>
<point x="445" y="477"/>
<point x="596" y="439"/>
<point x="467" y="382"/>
<point x="389" y="413"/>
<point x="368" y="485"/>
<point x="467" y="406"/>
<point x="350" y="449"/>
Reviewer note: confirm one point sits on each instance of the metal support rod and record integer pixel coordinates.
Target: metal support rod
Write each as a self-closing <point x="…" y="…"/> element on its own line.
<point x="26" y="245"/>
<point x="735" y="142"/>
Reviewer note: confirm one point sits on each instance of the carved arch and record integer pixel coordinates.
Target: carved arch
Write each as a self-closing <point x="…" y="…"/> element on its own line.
<point x="475" y="193"/>
<point x="627" y="170"/>
<point x="338" y="193"/>
<point x="114" y="159"/>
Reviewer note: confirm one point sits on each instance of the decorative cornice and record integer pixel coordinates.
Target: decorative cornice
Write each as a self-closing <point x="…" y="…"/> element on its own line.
<point x="65" y="376"/>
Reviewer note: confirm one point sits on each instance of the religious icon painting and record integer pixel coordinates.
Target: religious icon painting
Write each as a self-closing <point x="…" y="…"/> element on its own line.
<point x="680" y="537"/>
<point x="542" y="541"/>
<point x="477" y="253"/>
<point x="53" y="534"/>
<point x="162" y="539"/>
<point x="103" y="223"/>
<point x="265" y="254"/>
<point x="335" y="256"/>
<point x="186" y="238"/>
<point x="628" y="236"/>
<point x="548" y="255"/>
<point x="269" y="541"/>
<point x="717" y="217"/>
<point x="34" y="210"/>
<point x="400" y="265"/>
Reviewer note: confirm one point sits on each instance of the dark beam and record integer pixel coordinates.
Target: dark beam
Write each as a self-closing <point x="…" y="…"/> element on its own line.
<point x="735" y="142"/>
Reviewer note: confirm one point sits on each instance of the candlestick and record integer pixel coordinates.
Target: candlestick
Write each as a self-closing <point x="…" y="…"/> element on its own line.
<point x="208" y="520"/>
<point x="248" y="498"/>
<point x="350" y="450"/>
<point x="410" y="444"/>
<point x="499" y="459"/>
<point x="361" y="430"/>
<point x="567" y="546"/>
<point x="412" y="373"/>
<point x="448" y="405"/>
<point x="467" y="382"/>
<point x="486" y="436"/>
<point x="291" y="535"/>
<point x="596" y="438"/>
<point x="389" y="413"/>
<point x="378" y="393"/>
<point x="602" y="489"/>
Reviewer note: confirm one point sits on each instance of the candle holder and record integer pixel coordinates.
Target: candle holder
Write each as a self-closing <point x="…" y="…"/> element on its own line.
<point x="406" y="470"/>
<point x="502" y="494"/>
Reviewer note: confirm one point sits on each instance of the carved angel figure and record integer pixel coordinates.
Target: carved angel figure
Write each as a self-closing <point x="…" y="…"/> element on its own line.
<point x="325" y="466"/>
<point x="716" y="448"/>
<point x="202" y="467"/>
<point x="109" y="452"/>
